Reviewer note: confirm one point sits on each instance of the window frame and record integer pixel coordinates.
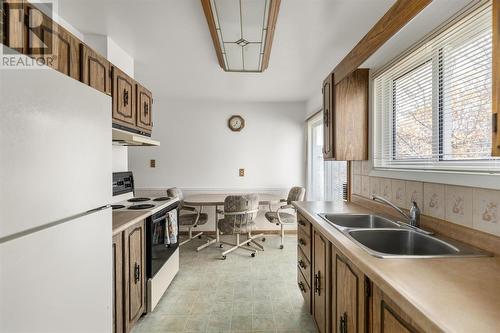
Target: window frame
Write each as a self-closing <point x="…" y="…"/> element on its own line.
<point x="456" y="172"/>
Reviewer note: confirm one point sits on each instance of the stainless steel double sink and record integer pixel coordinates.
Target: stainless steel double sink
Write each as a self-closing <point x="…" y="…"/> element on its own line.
<point x="384" y="238"/>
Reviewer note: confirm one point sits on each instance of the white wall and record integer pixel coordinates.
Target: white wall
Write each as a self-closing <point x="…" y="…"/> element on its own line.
<point x="198" y="151"/>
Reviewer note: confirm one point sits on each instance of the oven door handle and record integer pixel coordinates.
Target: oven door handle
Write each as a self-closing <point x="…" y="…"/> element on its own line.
<point x="158" y="219"/>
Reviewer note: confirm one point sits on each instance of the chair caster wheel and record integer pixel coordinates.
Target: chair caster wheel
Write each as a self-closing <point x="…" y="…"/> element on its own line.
<point x="281" y="247"/>
<point x="253" y="255"/>
<point x="223" y="258"/>
<point x="263" y="239"/>
<point x="221" y="246"/>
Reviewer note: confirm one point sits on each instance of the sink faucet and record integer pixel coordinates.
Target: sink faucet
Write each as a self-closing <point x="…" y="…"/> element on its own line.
<point x="414" y="216"/>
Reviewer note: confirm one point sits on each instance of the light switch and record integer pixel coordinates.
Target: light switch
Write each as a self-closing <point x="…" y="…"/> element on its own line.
<point x="152" y="163"/>
<point x="242" y="172"/>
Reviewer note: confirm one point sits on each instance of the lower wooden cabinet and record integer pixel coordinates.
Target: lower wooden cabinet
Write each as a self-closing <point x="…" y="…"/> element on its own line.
<point x="135" y="299"/>
<point x="388" y="317"/>
<point x="321" y="281"/>
<point x="349" y="296"/>
<point x="339" y="295"/>
<point x="118" y="283"/>
<point x="129" y="277"/>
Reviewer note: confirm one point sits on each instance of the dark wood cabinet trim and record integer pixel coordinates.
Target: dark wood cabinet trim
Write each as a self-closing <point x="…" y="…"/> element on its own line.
<point x="393" y="20"/>
<point x="496" y="78"/>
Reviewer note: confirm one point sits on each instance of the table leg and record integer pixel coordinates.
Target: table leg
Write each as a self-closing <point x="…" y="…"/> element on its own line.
<point x="213" y="240"/>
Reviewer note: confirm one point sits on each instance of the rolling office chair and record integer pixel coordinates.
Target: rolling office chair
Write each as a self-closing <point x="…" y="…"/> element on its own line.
<point x="239" y="216"/>
<point x="190" y="220"/>
<point x="283" y="218"/>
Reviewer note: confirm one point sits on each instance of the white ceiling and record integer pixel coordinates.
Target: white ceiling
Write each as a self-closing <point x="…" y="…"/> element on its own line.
<point x="175" y="57"/>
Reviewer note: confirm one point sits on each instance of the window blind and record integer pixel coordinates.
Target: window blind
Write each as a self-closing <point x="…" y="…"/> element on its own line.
<point x="432" y="107"/>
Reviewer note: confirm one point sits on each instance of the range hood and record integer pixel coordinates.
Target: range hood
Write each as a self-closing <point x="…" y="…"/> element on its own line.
<point x="124" y="138"/>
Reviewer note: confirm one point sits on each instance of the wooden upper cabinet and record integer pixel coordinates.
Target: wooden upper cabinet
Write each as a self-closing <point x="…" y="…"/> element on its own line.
<point x="144" y="109"/>
<point x="349" y="298"/>
<point x="56" y="45"/>
<point x="389" y="318"/>
<point x="328" y="118"/>
<point x="321" y="278"/>
<point x="118" y="283"/>
<point x="351" y="117"/>
<point x="13" y="25"/>
<point x="124" y="108"/>
<point x="95" y="70"/>
<point x="134" y="274"/>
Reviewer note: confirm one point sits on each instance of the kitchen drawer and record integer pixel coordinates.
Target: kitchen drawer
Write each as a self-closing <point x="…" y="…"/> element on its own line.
<point x="304" y="224"/>
<point x="304" y="242"/>
<point x="304" y="265"/>
<point x="305" y="290"/>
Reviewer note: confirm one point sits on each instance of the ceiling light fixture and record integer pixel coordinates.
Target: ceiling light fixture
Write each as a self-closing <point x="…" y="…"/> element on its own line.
<point x="242" y="32"/>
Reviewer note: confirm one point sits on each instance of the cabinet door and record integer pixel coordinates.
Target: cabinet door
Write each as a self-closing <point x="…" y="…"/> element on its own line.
<point x="350" y="135"/>
<point x="144" y="109"/>
<point x="389" y="318"/>
<point x="118" y="283"/>
<point x="320" y="281"/>
<point x="14" y="29"/>
<point x="328" y="121"/>
<point x="134" y="274"/>
<point x="95" y="70"/>
<point x="124" y="109"/>
<point x="349" y="297"/>
<point x="56" y="45"/>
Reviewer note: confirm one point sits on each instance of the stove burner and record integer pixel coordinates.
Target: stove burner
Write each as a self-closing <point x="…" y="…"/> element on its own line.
<point x="117" y="206"/>
<point x="138" y="199"/>
<point x="141" y="206"/>
<point x="162" y="199"/>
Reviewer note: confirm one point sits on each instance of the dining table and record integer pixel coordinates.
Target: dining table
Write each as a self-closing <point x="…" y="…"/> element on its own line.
<point x="216" y="200"/>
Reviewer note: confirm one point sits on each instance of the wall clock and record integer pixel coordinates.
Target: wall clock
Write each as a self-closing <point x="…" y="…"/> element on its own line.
<point x="236" y="123"/>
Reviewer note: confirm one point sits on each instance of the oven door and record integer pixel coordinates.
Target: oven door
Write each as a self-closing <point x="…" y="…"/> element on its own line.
<point x="162" y="240"/>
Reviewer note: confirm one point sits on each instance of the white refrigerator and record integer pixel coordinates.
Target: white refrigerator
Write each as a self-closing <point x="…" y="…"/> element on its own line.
<point x="55" y="185"/>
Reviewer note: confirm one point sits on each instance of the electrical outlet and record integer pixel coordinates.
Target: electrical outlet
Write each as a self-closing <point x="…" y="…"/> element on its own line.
<point x="152" y="163"/>
<point x="242" y="172"/>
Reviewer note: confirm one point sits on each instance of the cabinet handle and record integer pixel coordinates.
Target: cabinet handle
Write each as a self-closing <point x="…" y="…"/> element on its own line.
<point x="325" y="117"/>
<point x="317" y="283"/>
<point x="302" y="287"/>
<point x="125" y="97"/>
<point x="302" y="264"/>
<point x="137" y="273"/>
<point x="343" y="323"/>
<point x="302" y="242"/>
<point x="146" y="108"/>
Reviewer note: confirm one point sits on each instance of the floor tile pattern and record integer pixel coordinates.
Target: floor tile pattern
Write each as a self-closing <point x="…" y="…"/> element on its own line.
<point x="239" y="294"/>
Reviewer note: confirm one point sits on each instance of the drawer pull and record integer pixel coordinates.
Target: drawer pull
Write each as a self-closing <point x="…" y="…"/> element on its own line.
<point x="302" y="264"/>
<point x="343" y="323"/>
<point x="317" y="282"/>
<point x="302" y="242"/>
<point x="302" y="287"/>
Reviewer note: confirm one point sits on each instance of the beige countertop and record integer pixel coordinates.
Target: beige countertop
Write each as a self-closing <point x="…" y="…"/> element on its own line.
<point x="442" y="294"/>
<point x="124" y="219"/>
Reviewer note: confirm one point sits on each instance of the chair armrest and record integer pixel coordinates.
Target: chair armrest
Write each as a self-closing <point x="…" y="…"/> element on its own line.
<point x="245" y="212"/>
<point x="286" y="207"/>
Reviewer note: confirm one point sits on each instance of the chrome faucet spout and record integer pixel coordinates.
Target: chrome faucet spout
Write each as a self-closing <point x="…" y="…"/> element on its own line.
<point x="414" y="216"/>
